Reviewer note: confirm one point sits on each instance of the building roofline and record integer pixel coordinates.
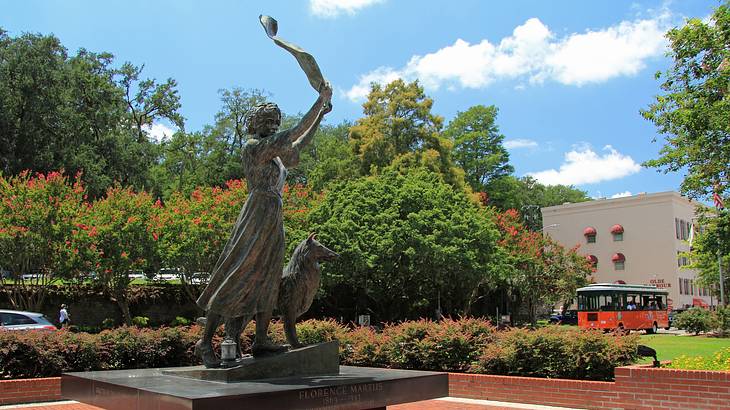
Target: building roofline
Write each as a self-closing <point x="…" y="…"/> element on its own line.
<point x="642" y="197"/>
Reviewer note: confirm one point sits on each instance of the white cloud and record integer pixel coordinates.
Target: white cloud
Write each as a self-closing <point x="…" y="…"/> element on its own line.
<point x="333" y="8"/>
<point x="584" y="166"/>
<point x="158" y="132"/>
<point x="519" y="143"/>
<point x="621" y="194"/>
<point x="536" y="54"/>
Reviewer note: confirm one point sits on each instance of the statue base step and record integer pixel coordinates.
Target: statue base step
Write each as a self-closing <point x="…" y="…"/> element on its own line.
<point x="313" y="360"/>
<point x="354" y="388"/>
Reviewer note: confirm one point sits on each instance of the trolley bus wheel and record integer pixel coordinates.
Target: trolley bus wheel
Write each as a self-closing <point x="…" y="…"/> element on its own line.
<point x="654" y="329"/>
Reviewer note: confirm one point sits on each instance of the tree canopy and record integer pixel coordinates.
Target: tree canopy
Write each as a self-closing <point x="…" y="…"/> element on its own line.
<point x="478" y="148"/>
<point x="78" y="113"/>
<point x="693" y="113"/>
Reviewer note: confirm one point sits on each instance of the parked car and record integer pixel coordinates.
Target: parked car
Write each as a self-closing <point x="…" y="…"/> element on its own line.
<point x="672" y="314"/>
<point x="167" y="274"/>
<point x="135" y="274"/>
<point x="19" y="320"/>
<point x="200" y="278"/>
<point x="31" y="276"/>
<point x="569" y="317"/>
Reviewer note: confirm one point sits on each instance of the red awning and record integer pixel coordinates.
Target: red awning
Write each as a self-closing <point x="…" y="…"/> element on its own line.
<point x="617" y="229"/>
<point x="699" y="302"/>
<point x="589" y="231"/>
<point x="618" y="257"/>
<point x="592" y="259"/>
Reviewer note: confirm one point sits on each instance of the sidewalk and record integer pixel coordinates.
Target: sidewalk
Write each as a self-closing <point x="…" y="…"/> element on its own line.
<point x="446" y="403"/>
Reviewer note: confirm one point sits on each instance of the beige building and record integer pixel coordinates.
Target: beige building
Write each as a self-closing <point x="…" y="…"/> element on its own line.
<point x="636" y="239"/>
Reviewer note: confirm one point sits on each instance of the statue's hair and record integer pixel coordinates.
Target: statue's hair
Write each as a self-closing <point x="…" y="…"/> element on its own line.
<point x="259" y="112"/>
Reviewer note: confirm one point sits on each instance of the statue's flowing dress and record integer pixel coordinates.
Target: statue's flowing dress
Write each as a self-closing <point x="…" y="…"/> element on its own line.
<point x="246" y="277"/>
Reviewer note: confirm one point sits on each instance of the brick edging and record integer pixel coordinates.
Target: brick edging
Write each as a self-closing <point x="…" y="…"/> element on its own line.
<point x="635" y="387"/>
<point x="30" y="390"/>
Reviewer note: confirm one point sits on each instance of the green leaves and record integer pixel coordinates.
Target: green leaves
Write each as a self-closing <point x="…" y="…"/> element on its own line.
<point x="478" y="146"/>
<point x="694" y="111"/>
<point x="405" y="238"/>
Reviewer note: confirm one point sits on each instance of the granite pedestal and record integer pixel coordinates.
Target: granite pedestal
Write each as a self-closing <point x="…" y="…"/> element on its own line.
<point x="313" y="360"/>
<point x="352" y="388"/>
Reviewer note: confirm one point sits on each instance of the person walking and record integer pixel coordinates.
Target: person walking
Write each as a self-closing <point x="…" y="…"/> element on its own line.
<point x="63" y="316"/>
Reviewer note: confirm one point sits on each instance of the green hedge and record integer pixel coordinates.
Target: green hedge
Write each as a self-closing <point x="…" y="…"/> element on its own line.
<point x="464" y="345"/>
<point x="45" y="354"/>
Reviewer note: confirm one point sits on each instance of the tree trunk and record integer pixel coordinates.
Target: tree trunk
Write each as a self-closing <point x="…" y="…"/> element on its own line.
<point x="123" y="304"/>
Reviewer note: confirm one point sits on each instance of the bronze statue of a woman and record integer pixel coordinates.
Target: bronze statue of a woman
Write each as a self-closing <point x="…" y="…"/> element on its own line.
<point x="245" y="280"/>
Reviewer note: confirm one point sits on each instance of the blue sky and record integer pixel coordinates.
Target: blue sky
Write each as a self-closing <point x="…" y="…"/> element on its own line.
<point x="569" y="77"/>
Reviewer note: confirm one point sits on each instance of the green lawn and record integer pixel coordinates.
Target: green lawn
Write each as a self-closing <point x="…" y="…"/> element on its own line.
<point x="670" y="346"/>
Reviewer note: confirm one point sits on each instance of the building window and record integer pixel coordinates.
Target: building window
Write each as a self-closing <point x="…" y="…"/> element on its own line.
<point x="618" y="233"/>
<point x="590" y="234"/>
<point x="681" y="286"/>
<point x="676" y="227"/>
<point x="618" y="260"/>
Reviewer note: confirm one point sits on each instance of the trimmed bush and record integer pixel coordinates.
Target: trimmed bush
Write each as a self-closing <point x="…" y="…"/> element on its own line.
<point x="46" y="354"/>
<point x="557" y="352"/>
<point x="695" y="320"/>
<point x="471" y="345"/>
<point x="141" y="321"/>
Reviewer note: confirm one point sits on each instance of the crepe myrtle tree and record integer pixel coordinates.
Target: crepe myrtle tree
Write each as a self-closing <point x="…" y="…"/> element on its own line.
<point x="194" y="228"/>
<point x="37" y="214"/>
<point x="536" y="269"/>
<point x="117" y="235"/>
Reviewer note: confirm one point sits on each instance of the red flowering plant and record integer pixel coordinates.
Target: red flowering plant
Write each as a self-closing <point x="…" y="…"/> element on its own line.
<point x="541" y="271"/>
<point x="36" y="221"/>
<point x="194" y="229"/>
<point x="114" y="237"/>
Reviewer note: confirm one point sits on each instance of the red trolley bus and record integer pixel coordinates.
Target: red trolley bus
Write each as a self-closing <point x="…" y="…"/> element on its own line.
<point x="617" y="306"/>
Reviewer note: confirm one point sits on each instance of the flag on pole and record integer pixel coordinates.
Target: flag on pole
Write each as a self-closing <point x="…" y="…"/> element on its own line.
<point x="718" y="201"/>
<point x="717" y="198"/>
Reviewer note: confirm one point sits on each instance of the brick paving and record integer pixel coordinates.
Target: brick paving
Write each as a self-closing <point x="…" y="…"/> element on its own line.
<point x="440" y="404"/>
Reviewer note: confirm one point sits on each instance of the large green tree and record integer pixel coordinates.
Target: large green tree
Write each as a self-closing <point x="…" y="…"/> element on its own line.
<point x="693" y="113"/>
<point x="329" y="158"/>
<point x="407" y="241"/>
<point x="400" y="131"/>
<point x="78" y="113"/>
<point x="712" y="241"/>
<point x="478" y="148"/>
<point x="212" y="156"/>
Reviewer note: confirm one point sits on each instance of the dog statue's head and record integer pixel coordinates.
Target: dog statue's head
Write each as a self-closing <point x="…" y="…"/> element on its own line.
<point x="318" y="251"/>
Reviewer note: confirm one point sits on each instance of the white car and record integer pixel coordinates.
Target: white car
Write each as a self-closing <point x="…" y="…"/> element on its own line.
<point x="19" y="320"/>
<point x="167" y="274"/>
